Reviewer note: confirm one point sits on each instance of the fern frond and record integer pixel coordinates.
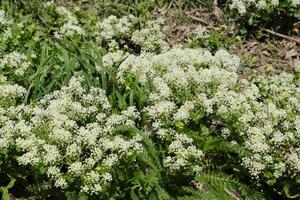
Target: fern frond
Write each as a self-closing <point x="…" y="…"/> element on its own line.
<point x="224" y="185"/>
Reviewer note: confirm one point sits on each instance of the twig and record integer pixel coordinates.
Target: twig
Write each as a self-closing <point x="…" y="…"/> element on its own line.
<point x="232" y="194"/>
<point x="199" y="20"/>
<point x="199" y="186"/>
<point x="281" y="35"/>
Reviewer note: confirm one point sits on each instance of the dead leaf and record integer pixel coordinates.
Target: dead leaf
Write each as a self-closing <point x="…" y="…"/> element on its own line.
<point x="290" y="54"/>
<point x="199" y="186"/>
<point x="232" y="194"/>
<point x="297" y="65"/>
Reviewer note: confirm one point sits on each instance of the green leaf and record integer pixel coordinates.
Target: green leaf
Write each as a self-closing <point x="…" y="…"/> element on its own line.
<point x="133" y="195"/>
<point x="287" y="192"/>
<point x="5" y="194"/>
<point x="70" y="195"/>
<point x="120" y="174"/>
<point x="250" y="21"/>
<point x="204" y="130"/>
<point x="268" y="175"/>
<point x="4" y="190"/>
<point x="131" y="98"/>
<point x="83" y="196"/>
<point x="162" y="194"/>
<point x="11" y="183"/>
<point x="179" y="125"/>
<point x="297" y="14"/>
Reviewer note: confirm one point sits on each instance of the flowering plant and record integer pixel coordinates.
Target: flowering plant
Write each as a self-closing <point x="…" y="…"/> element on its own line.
<point x="116" y="113"/>
<point x="267" y="12"/>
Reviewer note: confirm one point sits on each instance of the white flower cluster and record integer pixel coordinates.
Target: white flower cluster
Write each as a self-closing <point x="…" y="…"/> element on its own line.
<point x="72" y="134"/>
<point x="116" y="31"/>
<point x="113" y="58"/>
<point x="187" y="85"/>
<point x="14" y="62"/>
<point x="9" y="91"/>
<point x="4" y="20"/>
<point x="152" y="37"/>
<point x="12" y="68"/>
<point x="242" y="5"/>
<point x="5" y="26"/>
<point x="70" y="26"/>
<point x="182" y="153"/>
<point x="114" y="28"/>
<point x="295" y="2"/>
<point x="201" y="33"/>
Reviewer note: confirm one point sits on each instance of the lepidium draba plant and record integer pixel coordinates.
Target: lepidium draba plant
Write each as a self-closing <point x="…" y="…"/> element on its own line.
<point x="71" y="137"/>
<point x="266" y="13"/>
<point x="242" y="6"/>
<point x="66" y="22"/>
<point x="5" y="24"/>
<point x="123" y="33"/>
<point x="195" y="93"/>
<point x="13" y="69"/>
<point x="167" y="123"/>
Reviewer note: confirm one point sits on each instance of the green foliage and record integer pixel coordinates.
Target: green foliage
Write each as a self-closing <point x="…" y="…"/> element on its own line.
<point x="218" y="38"/>
<point x="279" y="15"/>
<point x="222" y="186"/>
<point x="5" y="190"/>
<point x="103" y="108"/>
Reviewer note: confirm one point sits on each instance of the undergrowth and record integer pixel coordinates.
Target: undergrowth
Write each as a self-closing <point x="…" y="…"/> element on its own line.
<point x="95" y="107"/>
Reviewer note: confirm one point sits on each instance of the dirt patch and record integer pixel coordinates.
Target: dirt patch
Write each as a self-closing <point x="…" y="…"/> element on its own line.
<point x="269" y="57"/>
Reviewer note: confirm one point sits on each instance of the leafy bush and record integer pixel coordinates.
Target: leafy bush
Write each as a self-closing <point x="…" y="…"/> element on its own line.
<point x="109" y="110"/>
<point x="199" y="94"/>
<point x="265" y="13"/>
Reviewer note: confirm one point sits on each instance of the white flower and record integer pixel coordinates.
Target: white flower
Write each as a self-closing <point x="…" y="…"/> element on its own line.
<point x="161" y="108"/>
<point x="183" y="112"/>
<point x="295" y="3"/>
<point x="107" y="177"/>
<point x="51" y="155"/>
<point x="279" y="169"/>
<point x="293" y="159"/>
<point x="201" y="33"/>
<point x="257" y="140"/>
<point x="275" y="3"/>
<point x="112" y="58"/>
<point x="70" y="26"/>
<point x="53" y="171"/>
<point x="60" y="183"/>
<point x="73" y="150"/>
<point x="71" y="30"/>
<point x="225" y="132"/>
<point x="110" y="161"/>
<point x="4" y="21"/>
<point x="31" y="157"/>
<point x="152" y="37"/>
<point x="112" y="27"/>
<point x="76" y="168"/>
<point x="15" y="61"/>
<point x="278" y="137"/>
